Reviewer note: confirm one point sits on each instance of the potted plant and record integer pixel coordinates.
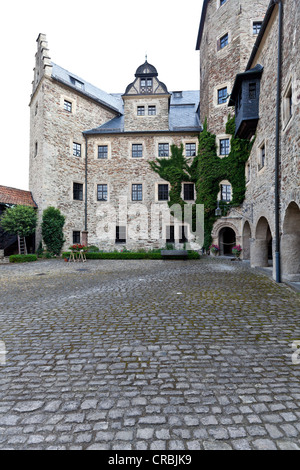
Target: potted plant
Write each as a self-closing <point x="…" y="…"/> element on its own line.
<point x="214" y="249"/>
<point x="236" y="250"/>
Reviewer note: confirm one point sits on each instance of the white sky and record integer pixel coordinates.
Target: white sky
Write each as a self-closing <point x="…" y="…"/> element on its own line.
<point x="101" y="41"/>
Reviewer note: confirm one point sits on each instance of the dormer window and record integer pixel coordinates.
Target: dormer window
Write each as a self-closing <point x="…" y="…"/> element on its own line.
<point x="77" y="83"/>
<point x="146" y="85"/>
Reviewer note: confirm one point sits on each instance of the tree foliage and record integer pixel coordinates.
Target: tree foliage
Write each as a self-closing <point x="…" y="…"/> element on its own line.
<point x="19" y="220"/>
<point x="52" y="230"/>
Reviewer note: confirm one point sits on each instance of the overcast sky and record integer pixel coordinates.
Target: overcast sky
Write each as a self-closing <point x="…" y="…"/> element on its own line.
<point x="103" y="42"/>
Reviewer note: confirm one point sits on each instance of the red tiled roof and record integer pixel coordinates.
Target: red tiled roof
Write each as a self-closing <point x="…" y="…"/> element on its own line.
<point x="16" y="196"/>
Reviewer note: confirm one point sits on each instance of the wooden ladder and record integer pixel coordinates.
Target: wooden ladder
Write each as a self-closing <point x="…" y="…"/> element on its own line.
<point x="22" y="245"/>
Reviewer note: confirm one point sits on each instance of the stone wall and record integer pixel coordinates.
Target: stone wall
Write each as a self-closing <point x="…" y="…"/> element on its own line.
<point x="218" y="67"/>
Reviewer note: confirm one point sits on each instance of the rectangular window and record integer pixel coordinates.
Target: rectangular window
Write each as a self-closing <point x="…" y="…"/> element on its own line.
<point x="76" y="149"/>
<point x="67" y="106"/>
<point x="137" y="192"/>
<point x="256" y="27"/>
<point x="182" y="234"/>
<point x="137" y="150"/>
<point x="224" y="41"/>
<point x="163" y="192"/>
<point x="120" y="234"/>
<point x="102" y="192"/>
<point x="78" y="191"/>
<point x="190" y="150"/>
<point x="102" y="151"/>
<point x="225" y="192"/>
<point x="76" y="236"/>
<point x="252" y="91"/>
<point x="287" y="104"/>
<point x="141" y="110"/>
<point x="188" y="192"/>
<point x="170" y="234"/>
<point x="151" y="110"/>
<point x="222" y="95"/>
<point x="163" y="150"/>
<point x="224" y="146"/>
<point x="222" y="2"/>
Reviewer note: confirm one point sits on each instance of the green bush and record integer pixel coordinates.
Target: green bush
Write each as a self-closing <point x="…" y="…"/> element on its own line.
<point x="129" y="255"/>
<point x="22" y="258"/>
<point x="52" y="230"/>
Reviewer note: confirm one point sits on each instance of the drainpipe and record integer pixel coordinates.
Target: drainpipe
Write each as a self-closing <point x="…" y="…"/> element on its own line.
<point x="277" y="145"/>
<point x="85" y="196"/>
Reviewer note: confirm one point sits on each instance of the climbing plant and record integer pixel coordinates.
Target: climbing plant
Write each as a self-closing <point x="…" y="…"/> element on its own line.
<point x="207" y="170"/>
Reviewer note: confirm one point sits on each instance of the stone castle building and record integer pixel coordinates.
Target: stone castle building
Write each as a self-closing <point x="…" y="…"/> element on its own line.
<point x="255" y="63"/>
<point x="90" y="153"/>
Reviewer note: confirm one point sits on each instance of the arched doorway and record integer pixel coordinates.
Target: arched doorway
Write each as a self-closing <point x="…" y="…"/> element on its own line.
<point x="246" y="240"/>
<point x="261" y="254"/>
<point x="290" y="243"/>
<point x="227" y="240"/>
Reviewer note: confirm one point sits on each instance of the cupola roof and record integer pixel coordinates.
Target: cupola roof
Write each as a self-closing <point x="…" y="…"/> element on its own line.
<point x="146" y="70"/>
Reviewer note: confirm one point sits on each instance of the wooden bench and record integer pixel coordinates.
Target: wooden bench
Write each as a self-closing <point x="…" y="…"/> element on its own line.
<point x="174" y="254"/>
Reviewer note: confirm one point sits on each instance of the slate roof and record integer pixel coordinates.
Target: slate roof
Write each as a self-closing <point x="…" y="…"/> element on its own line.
<point x="16" y="196"/>
<point x="183" y="117"/>
<point x="112" y="101"/>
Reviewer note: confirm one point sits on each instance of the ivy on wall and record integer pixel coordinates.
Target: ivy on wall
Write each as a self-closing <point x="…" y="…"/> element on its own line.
<point x="207" y="170"/>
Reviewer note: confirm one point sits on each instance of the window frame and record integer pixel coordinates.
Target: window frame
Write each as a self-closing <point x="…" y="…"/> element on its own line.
<point x="103" y="153"/>
<point x="136" y="150"/>
<point x="136" y="192"/>
<point x="188" y="149"/>
<point x="152" y="110"/>
<point x="163" y="193"/>
<point x="255" y="28"/>
<point x="163" y="150"/>
<point x="76" y="240"/>
<point x="123" y="229"/>
<point x="75" y="149"/>
<point x="224" y="41"/>
<point x="226" y="147"/>
<point x="78" y="190"/>
<point x="68" y="106"/>
<point x="102" y="192"/>
<point x="222" y="99"/>
<point x="227" y="192"/>
<point x="187" y="192"/>
<point x="141" y="111"/>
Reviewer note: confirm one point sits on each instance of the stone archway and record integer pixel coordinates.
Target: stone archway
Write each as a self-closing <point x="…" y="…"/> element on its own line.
<point x="261" y="254"/>
<point x="246" y="241"/>
<point x="227" y="240"/>
<point x="290" y="244"/>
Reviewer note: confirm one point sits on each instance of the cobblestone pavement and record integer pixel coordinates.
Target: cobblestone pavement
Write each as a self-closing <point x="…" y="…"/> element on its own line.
<point x="161" y="355"/>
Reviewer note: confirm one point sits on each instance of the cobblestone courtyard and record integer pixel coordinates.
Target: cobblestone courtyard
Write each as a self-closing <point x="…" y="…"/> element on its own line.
<point x="161" y="355"/>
